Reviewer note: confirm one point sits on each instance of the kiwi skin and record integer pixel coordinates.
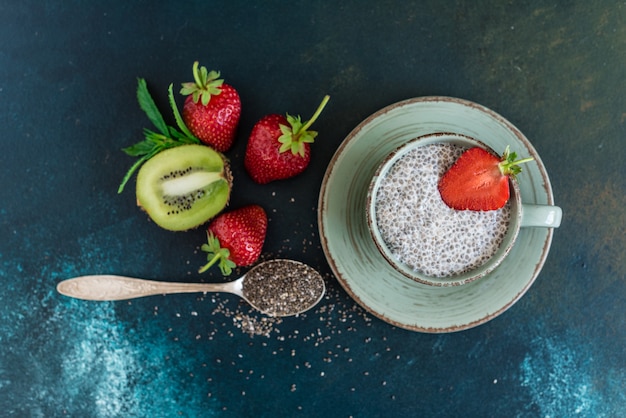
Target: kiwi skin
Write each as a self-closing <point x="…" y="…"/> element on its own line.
<point x="181" y="188"/>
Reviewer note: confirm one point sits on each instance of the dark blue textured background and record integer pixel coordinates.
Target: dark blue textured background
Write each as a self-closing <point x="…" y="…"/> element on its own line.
<point x="68" y="74"/>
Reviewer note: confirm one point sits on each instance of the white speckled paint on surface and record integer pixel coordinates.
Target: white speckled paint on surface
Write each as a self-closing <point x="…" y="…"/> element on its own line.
<point x="558" y="379"/>
<point x="561" y="377"/>
<point x="105" y="367"/>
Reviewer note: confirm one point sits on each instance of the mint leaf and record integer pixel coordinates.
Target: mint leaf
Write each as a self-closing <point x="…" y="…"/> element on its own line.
<point x="140" y="148"/>
<point x="149" y="107"/>
<point x="179" y="119"/>
<point x="155" y="142"/>
<point x="135" y="166"/>
<point x="182" y="138"/>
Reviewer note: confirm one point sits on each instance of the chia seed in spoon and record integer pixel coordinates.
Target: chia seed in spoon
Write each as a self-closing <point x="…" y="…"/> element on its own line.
<point x="283" y="288"/>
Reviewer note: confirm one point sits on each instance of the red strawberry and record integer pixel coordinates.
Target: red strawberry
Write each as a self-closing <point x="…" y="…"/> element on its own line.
<point x="236" y="238"/>
<point x="266" y="156"/>
<point x="212" y="109"/>
<point x="479" y="180"/>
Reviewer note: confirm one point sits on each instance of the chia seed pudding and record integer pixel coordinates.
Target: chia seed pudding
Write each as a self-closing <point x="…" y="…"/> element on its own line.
<point x="420" y="230"/>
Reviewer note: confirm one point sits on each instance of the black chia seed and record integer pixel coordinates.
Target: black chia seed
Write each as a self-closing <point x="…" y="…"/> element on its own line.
<point x="283" y="287"/>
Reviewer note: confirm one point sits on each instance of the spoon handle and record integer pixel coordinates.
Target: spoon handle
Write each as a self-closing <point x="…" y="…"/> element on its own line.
<point x="111" y="287"/>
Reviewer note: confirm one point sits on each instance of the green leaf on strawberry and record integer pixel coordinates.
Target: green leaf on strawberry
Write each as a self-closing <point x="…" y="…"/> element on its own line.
<point x="296" y="134"/>
<point x="509" y="166"/>
<point x="205" y="85"/>
<point x="216" y="253"/>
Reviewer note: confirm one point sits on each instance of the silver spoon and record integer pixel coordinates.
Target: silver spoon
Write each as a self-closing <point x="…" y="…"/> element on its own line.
<point x="275" y="287"/>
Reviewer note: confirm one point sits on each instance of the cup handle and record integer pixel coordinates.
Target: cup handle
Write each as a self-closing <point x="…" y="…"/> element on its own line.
<point x="541" y="216"/>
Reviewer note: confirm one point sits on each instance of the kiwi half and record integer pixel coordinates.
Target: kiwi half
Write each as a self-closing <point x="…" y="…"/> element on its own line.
<point x="183" y="187"/>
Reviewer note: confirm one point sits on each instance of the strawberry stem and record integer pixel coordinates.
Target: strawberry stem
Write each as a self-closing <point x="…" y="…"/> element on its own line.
<point x="296" y="135"/>
<point x="212" y="261"/>
<point x="317" y="113"/>
<point x="196" y="75"/>
<point x="524" y="160"/>
<point x="509" y="166"/>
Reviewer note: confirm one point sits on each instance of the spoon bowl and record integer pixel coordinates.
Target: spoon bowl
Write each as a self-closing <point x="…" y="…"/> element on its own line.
<point x="276" y="287"/>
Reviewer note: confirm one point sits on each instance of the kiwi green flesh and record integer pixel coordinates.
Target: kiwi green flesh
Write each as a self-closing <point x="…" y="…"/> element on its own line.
<point x="183" y="187"/>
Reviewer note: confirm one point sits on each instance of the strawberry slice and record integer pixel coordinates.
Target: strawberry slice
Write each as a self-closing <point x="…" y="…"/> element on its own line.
<point x="479" y="180"/>
<point x="235" y="238"/>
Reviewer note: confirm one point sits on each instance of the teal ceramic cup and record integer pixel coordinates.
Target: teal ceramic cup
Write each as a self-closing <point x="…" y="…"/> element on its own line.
<point x="522" y="215"/>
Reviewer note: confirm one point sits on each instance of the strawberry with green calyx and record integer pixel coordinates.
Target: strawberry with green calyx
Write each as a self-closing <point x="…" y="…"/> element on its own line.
<point x="155" y="142"/>
<point x="279" y="146"/>
<point x="479" y="180"/>
<point x="235" y="238"/>
<point x="212" y="108"/>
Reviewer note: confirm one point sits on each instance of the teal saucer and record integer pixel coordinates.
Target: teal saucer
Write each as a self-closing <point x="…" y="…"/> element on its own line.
<point x="354" y="258"/>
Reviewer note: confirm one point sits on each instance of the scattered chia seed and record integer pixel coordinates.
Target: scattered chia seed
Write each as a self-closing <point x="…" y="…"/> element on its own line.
<point x="283" y="287"/>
